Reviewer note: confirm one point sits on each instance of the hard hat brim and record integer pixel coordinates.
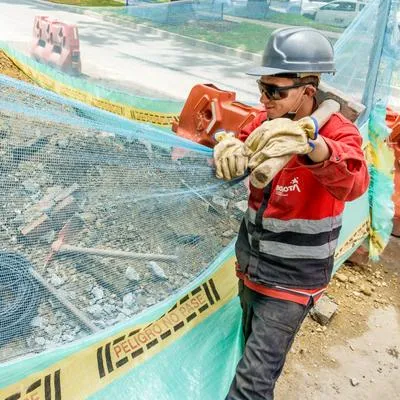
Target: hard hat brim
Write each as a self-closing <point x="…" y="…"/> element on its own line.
<point x="265" y="71"/>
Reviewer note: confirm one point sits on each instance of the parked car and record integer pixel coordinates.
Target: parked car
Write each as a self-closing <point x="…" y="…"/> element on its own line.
<point x="309" y="7"/>
<point x="339" y="13"/>
<point x="304" y="7"/>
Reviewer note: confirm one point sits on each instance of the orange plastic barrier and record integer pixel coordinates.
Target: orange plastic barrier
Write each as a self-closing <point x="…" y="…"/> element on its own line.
<point x="56" y="43"/>
<point x="209" y="110"/>
<point x="393" y="122"/>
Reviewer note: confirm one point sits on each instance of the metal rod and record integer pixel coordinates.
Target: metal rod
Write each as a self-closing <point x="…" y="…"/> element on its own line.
<point x="66" y="303"/>
<point x="199" y="196"/>
<point x="66" y="248"/>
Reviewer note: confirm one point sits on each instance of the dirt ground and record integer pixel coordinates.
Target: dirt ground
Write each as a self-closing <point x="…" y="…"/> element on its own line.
<point x="357" y="356"/>
<point x="7" y="67"/>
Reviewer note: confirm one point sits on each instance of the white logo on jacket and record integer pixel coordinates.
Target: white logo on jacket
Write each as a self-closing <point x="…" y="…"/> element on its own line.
<point x="284" y="190"/>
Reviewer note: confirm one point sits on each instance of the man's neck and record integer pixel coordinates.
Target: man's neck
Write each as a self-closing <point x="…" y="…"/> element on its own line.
<point x="306" y="109"/>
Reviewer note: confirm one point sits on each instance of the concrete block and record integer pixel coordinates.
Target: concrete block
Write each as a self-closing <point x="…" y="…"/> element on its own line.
<point x="324" y="310"/>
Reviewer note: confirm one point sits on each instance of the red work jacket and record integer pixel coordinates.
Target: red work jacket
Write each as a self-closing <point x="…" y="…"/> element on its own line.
<point x="289" y="233"/>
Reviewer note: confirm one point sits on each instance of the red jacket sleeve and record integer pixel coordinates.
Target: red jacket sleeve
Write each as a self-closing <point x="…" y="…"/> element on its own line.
<point x="345" y="173"/>
<point x="257" y="121"/>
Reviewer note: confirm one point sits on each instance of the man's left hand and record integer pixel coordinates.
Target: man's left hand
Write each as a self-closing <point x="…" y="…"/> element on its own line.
<point x="280" y="137"/>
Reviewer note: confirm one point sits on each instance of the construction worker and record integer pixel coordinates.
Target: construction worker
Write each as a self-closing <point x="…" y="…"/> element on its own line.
<point x="286" y="243"/>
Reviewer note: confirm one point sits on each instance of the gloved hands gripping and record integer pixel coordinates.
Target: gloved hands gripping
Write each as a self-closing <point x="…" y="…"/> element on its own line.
<point x="271" y="146"/>
<point x="280" y="137"/>
<point x="230" y="158"/>
<point x="274" y="138"/>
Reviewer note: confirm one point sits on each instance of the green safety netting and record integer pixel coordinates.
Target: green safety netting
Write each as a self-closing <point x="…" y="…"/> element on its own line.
<point x="116" y="257"/>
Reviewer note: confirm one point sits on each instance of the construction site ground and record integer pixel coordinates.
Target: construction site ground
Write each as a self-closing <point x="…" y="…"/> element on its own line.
<point x="357" y="355"/>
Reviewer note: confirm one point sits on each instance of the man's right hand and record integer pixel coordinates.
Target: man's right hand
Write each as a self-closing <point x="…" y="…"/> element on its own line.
<point x="230" y="158"/>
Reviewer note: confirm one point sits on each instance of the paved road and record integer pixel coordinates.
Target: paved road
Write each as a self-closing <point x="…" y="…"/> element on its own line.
<point x="144" y="63"/>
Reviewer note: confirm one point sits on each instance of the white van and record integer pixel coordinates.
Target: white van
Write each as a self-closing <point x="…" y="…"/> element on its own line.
<point x="304" y="7"/>
<point x="309" y="7"/>
<point x="339" y="13"/>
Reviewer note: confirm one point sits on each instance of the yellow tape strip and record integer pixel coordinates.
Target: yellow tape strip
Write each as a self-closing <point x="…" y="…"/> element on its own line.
<point x="354" y="240"/>
<point x="381" y="158"/>
<point x="111" y="358"/>
<point x="376" y="244"/>
<point x="156" y="118"/>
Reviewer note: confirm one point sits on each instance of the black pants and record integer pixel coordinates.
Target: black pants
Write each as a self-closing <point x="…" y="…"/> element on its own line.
<point x="269" y="326"/>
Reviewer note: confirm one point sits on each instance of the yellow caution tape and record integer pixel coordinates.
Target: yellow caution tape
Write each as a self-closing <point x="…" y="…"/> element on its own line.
<point x="382" y="158"/>
<point x="354" y="240"/>
<point x="113" y="357"/>
<point x="134" y="113"/>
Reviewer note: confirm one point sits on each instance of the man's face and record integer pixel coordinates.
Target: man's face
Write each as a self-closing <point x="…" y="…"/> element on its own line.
<point x="290" y="100"/>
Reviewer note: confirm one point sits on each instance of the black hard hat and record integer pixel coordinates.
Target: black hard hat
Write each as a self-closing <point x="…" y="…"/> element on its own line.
<point x="296" y="50"/>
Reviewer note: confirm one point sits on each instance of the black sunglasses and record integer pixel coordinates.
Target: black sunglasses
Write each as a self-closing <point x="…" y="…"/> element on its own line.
<point x="274" y="92"/>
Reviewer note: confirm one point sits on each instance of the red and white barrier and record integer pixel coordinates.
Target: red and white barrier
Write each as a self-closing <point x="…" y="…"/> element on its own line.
<point x="56" y="43"/>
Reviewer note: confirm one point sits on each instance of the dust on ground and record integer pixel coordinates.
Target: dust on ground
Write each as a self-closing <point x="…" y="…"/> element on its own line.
<point x="357" y="355"/>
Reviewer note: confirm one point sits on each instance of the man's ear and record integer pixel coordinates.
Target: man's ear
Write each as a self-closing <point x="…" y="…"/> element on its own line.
<point x="310" y="90"/>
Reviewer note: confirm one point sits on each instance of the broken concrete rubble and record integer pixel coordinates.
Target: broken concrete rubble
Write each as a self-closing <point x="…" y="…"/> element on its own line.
<point x="157" y="270"/>
<point x="242" y="205"/>
<point x="221" y="201"/>
<point x="101" y="182"/>
<point x="341" y="277"/>
<point x="54" y="210"/>
<point x="132" y="274"/>
<point x="324" y="310"/>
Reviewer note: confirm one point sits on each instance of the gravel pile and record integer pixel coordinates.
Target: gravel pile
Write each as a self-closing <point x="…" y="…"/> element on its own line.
<point x="94" y="189"/>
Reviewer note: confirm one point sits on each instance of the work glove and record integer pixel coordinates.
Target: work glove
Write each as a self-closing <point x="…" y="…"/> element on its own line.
<point x="271" y="146"/>
<point x="280" y="137"/>
<point x="230" y="158"/>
